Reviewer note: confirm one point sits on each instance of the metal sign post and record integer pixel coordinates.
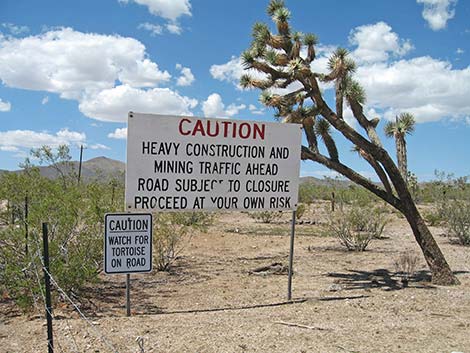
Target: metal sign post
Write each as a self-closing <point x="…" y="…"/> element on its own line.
<point x="128" y="294"/>
<point x="291" y="258"/>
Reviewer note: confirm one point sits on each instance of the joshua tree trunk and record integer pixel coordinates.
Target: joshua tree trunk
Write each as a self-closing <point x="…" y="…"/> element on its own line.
<point x="440" y="269"/>
<point x="441" y="272"/>
<point x="339" y="99"/>
<point x="401" y="157"/>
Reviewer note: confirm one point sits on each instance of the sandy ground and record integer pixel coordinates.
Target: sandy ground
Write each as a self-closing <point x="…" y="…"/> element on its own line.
<point x="211" y="302"/>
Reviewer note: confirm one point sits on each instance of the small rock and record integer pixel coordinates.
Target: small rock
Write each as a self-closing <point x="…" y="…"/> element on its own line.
<point x="335" y="287"/>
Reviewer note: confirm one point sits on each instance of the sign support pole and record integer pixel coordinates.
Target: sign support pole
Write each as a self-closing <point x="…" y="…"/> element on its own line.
<point x="291" y="258"/>
<point x="128" y="294"/>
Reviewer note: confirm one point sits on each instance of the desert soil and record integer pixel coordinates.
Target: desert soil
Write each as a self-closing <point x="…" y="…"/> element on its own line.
<point x="212" y="301"/>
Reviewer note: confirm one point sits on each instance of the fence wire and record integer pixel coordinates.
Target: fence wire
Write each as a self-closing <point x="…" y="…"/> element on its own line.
<point x="93" y="327"/>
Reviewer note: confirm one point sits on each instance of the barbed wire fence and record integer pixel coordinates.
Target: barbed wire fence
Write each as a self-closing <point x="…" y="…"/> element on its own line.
<point x="41" y="290"/>
<point x="72" y="344"/>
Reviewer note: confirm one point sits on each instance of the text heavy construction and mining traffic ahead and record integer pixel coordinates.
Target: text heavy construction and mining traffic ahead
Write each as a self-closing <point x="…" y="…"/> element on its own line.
<point x="183" y="163"/>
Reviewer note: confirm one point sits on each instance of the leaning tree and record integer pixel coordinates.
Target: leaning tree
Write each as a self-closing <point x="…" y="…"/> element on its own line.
<point x="282" y="61"/>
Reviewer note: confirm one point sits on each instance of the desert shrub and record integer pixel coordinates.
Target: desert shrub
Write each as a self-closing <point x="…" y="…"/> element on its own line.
<point x="301" y="209"/>
<point x="457" y="218"/>
<point x="356" y="226"/>
<point x="445" y="186"/>
<point x="74" y="214"/>
<point x="199" y="220"/>
<point x="172" y="231"/>
<point x="265" y="216"/>
<point x="433" y="218"/>
<point x="405" y="266"/>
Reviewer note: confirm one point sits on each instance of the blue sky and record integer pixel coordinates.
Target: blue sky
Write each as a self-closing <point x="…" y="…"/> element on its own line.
<point x="70" y="70"/>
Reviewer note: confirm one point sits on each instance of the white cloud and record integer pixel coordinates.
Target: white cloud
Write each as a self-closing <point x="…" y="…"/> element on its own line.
<point x="4" y="106"/>
<point x="114" y="104"/>
<point x="45" y="100"/>
<point x="376" y="42"/>
<point x="186" y="78"/>
<point x="255" y="110"/>
<point x="215" y="108"/>
<point x="429" y="88"/>
<point x="459" y="51"/>
<point x="438" y="12"/>
<point x="229" y="72"/>
<point x="168" y="9"/>
<point x="74" y="64"/>
<point x="322" y="174"/>
<point x="153" y="29"/>
<point x="144" y="74"/>
<point x="174" y="28"/>
<point x="348" y="116"/>
<point x="105" y="74"/>
<point x="119" y="134"/>
<point x="233" y="109"/>
<point x="232" y="70"/>
<point x="9" y="148"/>
<point x="98" y="146"/>
<point x="15" y="29"/>
<point x="13" y="140"/>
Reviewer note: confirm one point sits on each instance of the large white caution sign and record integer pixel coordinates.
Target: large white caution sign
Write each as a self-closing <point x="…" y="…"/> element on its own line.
<point x="127" y="243"/>
<point x="177" y="163"/>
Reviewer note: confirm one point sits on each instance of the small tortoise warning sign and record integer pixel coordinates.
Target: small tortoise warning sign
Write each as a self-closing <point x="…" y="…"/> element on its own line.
<point x="128" y="243"/>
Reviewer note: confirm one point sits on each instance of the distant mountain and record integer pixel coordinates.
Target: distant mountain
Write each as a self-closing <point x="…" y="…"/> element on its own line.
<point x="99" y="168"/>
<point x="325" y="182"/>
<point x="103" y="167"/>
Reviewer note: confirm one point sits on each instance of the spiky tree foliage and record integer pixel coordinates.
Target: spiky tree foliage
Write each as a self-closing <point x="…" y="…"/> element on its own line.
<point x="341" y="67"/>
<point x="279" y="57"/>
<point x="310" y="40"/>
<point x="403" y="125"/>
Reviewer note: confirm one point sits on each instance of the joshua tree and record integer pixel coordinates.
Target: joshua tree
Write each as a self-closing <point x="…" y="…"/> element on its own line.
<point x="292" y="88"/>
<point x="404" y="124"/>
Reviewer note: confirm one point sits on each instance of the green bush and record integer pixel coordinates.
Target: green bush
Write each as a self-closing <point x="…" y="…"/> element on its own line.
<point x="172" y="231"/>
<point x="265" y="216"/>
<point x="301" y="209"/>
<point x="356" y="226"/>
<point x="199" y="220"/>
<point x="433" y="218"/>
<point x="75" y="216"/>
<point x="457" y="217"/>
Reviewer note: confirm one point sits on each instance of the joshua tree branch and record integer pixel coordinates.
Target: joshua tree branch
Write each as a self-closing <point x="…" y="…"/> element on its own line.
<point x="379" y="171"/>
<point x="353" y="176"/>
<point x="275" y="74"/>
<point x="366" y="124"/>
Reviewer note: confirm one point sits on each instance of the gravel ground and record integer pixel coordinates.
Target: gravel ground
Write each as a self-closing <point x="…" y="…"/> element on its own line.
<point x="215" y="300"/>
